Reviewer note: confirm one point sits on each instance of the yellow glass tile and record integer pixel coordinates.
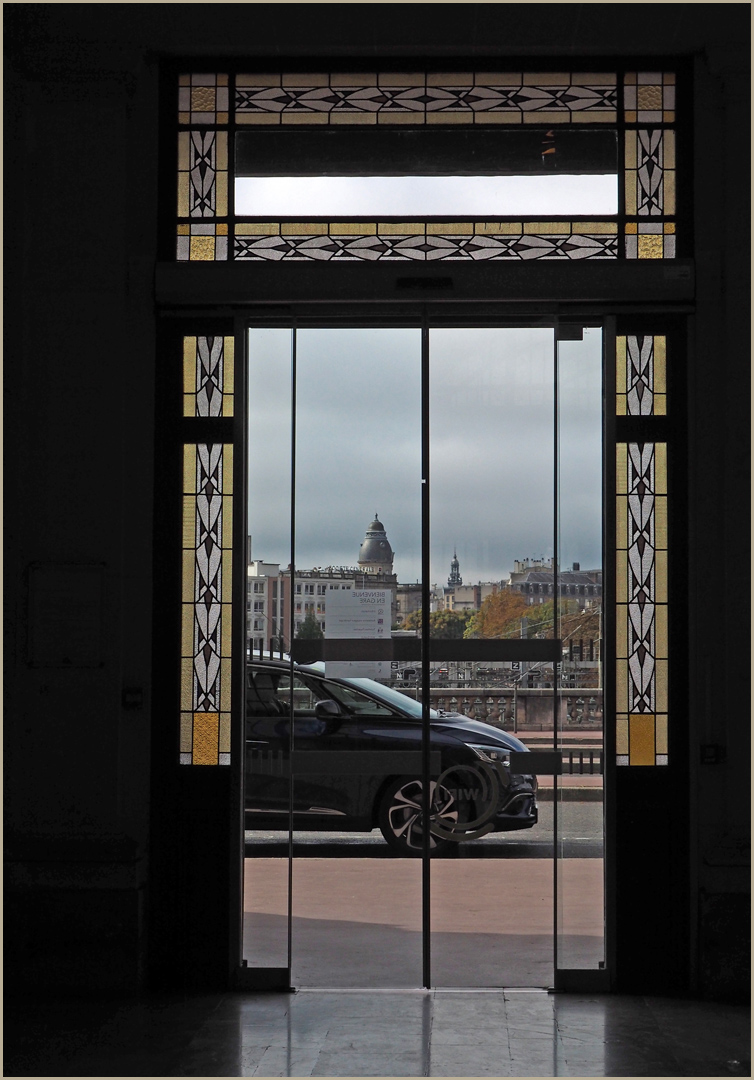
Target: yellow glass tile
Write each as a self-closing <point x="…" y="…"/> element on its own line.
<point x="202" y="249"/>
<point x="461" y="117"/>
<point x="668" y="117"/>
<point x="400" y="228"/>
<point x="221" y="151"/>
<point x="227" y="468"/>
<point x="661" y="685"/>
<point x="450" y="78"/>
<point x="202" y="99"/>
<point x="450" y="228"/>
<point x="608" y="116"/>
<point x="299" y="228"/>
<point x="206" y="731"/>
<point x="189" y="470"/>
<point x="184" y="80"/>
<point x="221" y="229"/>
<point x="183" y="230"/>
<point x="187" y="683"/>
<point x="621" y="633"/>
<point x="187" y="629"/>
<point x="620" y="365"/>
<point x="669" y="228"/>
<point x="189" y="404"/>
<point x="649" y="98"/>
<point x="650" y="247"/>
<point x="184" y="118"/>
<point x="621" y="571"/>
<point x="661" y="521"/>
<point x="258" y="228"/>
<point x="353" y="118"/>
<point x="641" y="739"/>
<point x="660" y="405"/>
<point x="668" y="150"/>
<point x="227" y="521"/>
<point x="660" y="364"/>
<point x="183" y="195"/>
<point x="621" y="469"/>
<point x="629" y="79"/>
<point x="549" y="228"/>
<point x="661" y="735"/>
<point x="630" y="160"/>
<point x="621" y="522"/>
<point x="499" y="228"/>
<point x="187" y="730"/>
<point x="258" y="118"/>
<point x="259" y="81"/>
<point x="305" y="118"/>
<point x="189" y="365"/>
<point x="512" y="116"/>
<point x="353" y="81"/>
<point x="400" y="118"/>
<point x="226" y="626"/>
<point x="183" y="150"/>
<point x="661" y="468"/>
<point x="224" y="735"/>
<point x="546" y="78"/>
<point x="222" y="80"/>
<point x="188" y="587"/>
<point x="222" y="118"/>
<point x="621" y="734"/>
<point x="668" y="78"/>
<point x="661" y="632"/>
<point x="563" y="116"/>
<point x="661" y="577"/>
<point x="621" y="686"/>
<point x="306" y="78"/>
<point x="630" y="192"/>
<point x="631" y="228"/>
<point x="630" y="117"/>
<point x="668" y="182"/>
<point x="225" y="676"/>
<point x="352" y="228"/>
<point x="396" y="80"/>
<point x="594" y="78"/>
<point x="189" y="522"/>
<point x="229" y="370"/>
<point x="582" y="227"/>
<point x="620" y="405"/>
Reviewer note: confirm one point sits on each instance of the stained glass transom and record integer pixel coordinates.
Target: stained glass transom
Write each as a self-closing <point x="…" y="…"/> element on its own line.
<point x="642" y="604"/>
<point x="207" y="598"/>
<point x="640" y="376"/>
<point x="208" y="376"/>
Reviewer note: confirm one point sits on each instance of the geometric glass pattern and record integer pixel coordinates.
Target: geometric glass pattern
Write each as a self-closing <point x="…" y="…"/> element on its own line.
<point x="425" y="242"/>
<point x="208" y="376"/>
<point x="426" y="98"/>
<point x="650" y="172"/>
<point x="202" y="174"/>
<point x="206" y="604"/>
<point x="213" y="108"/>
<point x="202" y="99"/>
<point x="641" y="604"/>
<point x="649" y="97"/>
<point x="640" y="375"/>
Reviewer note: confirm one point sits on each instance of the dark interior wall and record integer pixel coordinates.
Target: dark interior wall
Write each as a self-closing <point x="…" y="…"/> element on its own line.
<point x="80" y="232"/>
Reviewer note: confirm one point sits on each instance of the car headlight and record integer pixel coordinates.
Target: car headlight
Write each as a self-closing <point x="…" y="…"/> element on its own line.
<point x="493" y="754"/>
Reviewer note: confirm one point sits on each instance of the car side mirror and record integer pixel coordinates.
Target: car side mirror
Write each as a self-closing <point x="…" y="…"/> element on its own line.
<point x="326" y="709"/>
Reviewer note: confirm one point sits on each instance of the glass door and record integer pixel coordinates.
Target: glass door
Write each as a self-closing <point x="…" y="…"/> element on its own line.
<point x="414" y="496"/>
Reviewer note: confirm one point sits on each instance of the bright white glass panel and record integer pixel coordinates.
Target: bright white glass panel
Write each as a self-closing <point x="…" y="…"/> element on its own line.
<point x="503" y="196"/>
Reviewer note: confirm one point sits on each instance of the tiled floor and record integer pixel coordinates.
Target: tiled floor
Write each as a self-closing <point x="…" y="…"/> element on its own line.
<point x="377" y="1033"/>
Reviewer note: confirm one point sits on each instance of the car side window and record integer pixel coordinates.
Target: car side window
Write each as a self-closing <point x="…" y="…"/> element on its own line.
<point x="304" y="698"/>
<point x="355" y="702"/>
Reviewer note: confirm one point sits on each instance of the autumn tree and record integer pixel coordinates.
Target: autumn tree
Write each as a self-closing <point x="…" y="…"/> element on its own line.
<point x="442" y="624"/>
<point x="498" y="617"/>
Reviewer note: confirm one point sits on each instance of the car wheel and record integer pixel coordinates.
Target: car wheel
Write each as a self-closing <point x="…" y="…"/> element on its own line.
<point x="400" y="816"/>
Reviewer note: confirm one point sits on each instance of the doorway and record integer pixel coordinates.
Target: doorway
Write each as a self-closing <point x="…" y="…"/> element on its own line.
<point x="424" y="643"/>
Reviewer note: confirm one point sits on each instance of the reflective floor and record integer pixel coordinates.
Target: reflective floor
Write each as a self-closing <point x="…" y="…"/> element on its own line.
<point x="377" y="1033"/>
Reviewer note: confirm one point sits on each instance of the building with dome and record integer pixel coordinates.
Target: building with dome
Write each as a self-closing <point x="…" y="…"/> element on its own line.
<point x="375" y="553"/>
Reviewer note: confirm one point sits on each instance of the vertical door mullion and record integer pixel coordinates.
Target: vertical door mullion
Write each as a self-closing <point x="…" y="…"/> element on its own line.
<point x="556" y="632"/>
<point x="425" y="661"/>
<point x="291" y="628"/>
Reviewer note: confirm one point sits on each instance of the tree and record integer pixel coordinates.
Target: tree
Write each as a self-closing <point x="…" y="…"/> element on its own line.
<point x="447" y="625"/>
<point x="498" y="617"/>
<point x="310" y="629"/>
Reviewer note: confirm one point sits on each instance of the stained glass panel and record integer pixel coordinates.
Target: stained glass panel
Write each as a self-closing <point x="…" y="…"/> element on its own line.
<point x="641" y="595"/>
<point x="650" y="240"/>
<point x="650" y="172"/>
<point x="202" y="174"/>
<point x="640" y="376"/>
<point x="649" y="97"/>
<point x="203" y="99"/>
<point x="206" y="596"/>
<point x="208" y="376"/>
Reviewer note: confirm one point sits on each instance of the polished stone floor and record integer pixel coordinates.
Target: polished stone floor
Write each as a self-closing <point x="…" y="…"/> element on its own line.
<point x="377" y="1033"/>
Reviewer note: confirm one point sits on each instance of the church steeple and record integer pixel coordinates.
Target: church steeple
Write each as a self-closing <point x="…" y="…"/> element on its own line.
<point x="455" y="570"/>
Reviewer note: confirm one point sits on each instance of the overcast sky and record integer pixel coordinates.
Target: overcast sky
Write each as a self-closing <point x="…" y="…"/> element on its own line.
<point x="359" y="447"/>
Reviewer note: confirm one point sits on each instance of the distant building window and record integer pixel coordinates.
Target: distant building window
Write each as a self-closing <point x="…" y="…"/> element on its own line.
<point x="259" y="605"/>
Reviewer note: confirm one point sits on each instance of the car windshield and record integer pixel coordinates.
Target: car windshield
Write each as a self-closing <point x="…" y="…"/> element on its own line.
<point x="383" y="693"/>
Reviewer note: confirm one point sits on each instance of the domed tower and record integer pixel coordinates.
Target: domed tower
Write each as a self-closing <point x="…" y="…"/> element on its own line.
<point x="455" y="571"/>
<point x="375" y="553"/>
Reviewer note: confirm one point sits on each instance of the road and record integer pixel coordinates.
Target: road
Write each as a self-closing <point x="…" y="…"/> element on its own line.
<point x="579" y="828"/>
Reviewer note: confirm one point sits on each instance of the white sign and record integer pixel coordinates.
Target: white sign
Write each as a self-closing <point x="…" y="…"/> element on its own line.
<point x="358" y="614"/>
